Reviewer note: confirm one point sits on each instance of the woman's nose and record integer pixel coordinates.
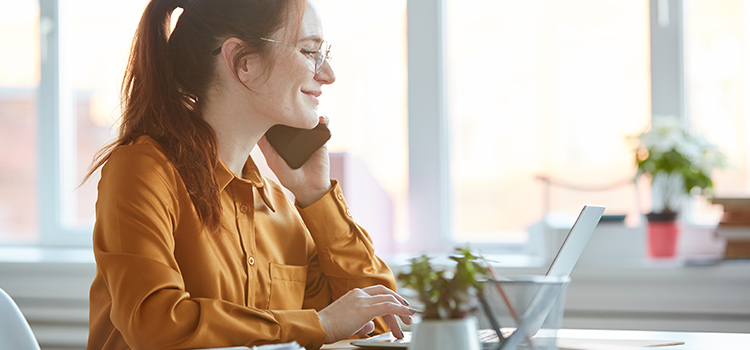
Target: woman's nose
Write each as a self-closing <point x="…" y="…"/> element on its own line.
<point x="326" y="74"/>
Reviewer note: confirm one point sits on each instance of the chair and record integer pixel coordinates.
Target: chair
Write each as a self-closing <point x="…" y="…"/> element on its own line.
<point x="15" y="334"/>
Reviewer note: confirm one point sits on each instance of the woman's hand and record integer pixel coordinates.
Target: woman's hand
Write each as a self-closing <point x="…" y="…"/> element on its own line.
<point x="354" y="311"/>
<point x="308" y="183"/>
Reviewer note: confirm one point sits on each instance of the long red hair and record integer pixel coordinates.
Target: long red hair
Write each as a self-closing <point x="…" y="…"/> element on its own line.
<point x="168" y="75"/>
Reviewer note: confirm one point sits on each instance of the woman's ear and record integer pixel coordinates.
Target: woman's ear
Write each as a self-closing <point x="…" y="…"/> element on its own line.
<point x="246" y="69"/>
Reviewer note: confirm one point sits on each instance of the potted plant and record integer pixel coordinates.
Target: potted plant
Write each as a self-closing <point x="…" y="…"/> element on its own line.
<point x="677" y="163"/>
<point x="447" y="298"/>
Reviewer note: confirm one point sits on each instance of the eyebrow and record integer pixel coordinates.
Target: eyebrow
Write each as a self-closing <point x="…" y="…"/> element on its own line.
<point x="316" y="38"/>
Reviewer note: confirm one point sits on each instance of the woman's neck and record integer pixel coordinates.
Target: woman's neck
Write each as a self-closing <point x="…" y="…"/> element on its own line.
<point x="237" y="131"/>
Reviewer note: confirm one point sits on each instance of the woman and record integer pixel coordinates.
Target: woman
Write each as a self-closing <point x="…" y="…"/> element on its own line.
<point x="194" y="248"/>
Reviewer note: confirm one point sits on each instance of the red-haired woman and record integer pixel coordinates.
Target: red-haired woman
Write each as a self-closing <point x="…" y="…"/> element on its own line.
<point x="194" y="248"/>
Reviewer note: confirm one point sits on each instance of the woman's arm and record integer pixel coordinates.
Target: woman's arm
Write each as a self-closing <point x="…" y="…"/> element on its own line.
<point x="347" y="270"/>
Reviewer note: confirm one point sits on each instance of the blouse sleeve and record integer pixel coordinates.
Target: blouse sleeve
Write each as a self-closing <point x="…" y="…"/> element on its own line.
<point x="137" y="213"/>
<point x="345" y="255"/>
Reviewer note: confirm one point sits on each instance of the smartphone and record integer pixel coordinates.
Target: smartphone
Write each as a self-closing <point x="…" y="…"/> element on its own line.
<point x="296" y="145"/>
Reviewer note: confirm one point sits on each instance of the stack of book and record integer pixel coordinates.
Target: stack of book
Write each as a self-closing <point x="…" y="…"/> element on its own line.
<point x="735" y="226"/>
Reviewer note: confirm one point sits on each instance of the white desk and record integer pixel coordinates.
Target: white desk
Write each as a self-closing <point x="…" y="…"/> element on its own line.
<point x="693" y="340"/>
<point x="621" y="340"/>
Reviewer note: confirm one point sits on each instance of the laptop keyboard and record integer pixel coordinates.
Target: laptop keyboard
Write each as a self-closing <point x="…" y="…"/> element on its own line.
<point x="490" y="336"/>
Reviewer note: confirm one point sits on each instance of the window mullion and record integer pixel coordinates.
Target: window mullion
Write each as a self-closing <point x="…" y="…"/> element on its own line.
<point x="49" y="123"/>
<point x="667" y="68"/>
<point x="56" y="134"/>
<point x="429" y="171"/>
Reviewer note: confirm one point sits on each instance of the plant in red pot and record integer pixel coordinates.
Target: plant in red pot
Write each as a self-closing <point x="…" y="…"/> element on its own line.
<point x="678" y="162"/>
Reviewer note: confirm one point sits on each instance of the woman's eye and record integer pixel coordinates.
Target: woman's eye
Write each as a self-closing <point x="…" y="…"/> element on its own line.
<point x="308" y="52"/>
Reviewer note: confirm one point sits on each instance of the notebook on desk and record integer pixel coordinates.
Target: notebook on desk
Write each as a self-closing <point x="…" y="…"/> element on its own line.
<point x="562" y="265"/>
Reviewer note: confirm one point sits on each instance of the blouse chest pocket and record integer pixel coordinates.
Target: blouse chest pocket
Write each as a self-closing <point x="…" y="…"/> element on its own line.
<point x="287" y="287"/>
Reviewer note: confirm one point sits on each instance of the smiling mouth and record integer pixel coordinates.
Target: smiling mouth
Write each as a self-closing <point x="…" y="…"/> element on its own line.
<point x="313" y="95"/>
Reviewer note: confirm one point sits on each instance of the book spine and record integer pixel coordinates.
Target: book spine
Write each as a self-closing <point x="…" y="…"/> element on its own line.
<point x="735" y="218"/>
<point x="737" y="249"/>
<point x="733" y="204"/>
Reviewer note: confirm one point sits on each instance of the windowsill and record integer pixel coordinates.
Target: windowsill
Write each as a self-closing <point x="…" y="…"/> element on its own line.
<point x="666" y="293"/>
<point x="521" y="262"/>
<point x="43" y="260"/>
<point x="44" y="255"/>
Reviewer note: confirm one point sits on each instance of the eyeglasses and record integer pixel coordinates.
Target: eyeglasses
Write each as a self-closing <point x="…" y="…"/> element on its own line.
<point x="321" y="54"/>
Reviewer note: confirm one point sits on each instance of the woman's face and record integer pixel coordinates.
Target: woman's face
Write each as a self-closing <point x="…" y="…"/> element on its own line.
<point x="290" y="94"/>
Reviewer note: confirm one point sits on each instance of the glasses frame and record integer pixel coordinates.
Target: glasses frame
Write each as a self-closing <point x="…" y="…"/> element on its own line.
<point x="322" y="54"/>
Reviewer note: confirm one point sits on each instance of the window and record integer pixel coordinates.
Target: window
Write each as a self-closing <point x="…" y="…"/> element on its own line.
<point x="542" y="88"/>
<point x="19" y="82"/>
<point x="717" y="91"/>
<point x="72" y="73"/>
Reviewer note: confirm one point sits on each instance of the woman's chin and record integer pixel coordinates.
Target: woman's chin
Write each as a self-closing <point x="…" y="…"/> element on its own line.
<point x="312" y="121"/>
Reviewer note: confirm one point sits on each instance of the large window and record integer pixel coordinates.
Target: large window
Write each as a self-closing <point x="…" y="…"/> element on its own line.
<point x="543" y="88"/>
<point x="19" y="81"/>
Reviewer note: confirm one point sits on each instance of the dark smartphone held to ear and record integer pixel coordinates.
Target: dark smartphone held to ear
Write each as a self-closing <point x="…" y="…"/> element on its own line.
<point x="296" y="145"/>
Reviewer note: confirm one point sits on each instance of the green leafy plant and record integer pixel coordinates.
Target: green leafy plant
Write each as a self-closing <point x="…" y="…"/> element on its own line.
<point x="676" y="161"/>
<point x="445" y="294"/>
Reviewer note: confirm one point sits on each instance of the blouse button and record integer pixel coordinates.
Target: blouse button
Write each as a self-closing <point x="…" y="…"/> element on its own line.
<point x="348" y="213"/>
<point x="340" y="196"/>
<point x="243" y="208"/>
<point x="251" y="261"/>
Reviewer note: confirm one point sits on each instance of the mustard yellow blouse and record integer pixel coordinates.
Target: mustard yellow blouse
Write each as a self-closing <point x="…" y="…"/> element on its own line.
<point x="163" y="282"/>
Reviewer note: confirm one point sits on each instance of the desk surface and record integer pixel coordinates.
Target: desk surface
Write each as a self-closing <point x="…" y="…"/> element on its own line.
<point x="621" y="340"/>
<point x="693" y="340"/>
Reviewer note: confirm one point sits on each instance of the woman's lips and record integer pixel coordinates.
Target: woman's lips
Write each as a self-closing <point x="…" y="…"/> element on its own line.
<point x="313" y="95"/>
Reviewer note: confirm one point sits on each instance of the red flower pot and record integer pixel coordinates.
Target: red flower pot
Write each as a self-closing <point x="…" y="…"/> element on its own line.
<point x="663" y="233"/>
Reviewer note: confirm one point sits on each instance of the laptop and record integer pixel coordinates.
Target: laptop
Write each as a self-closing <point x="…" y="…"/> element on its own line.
<point x="562" y="265"/>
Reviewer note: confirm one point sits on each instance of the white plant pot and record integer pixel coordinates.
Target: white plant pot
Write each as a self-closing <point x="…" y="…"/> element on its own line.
<point x="445" y="335"/>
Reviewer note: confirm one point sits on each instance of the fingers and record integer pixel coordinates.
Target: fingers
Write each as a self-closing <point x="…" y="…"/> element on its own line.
<point x="382" y="309"/>
<point x="389" y="303"/>
<point x="406" y="319"/>
<point x="392" y="323"/>
<point x="381" y="294"/>
<point x="381" y="298"/>
<point x="353" y="313"/>
<point x="381" y="289"/>
<point x="268" y="151"/>
<point x="324" y="120"/>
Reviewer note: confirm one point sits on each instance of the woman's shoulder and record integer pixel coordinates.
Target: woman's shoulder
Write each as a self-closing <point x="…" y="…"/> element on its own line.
<point x="144" y="151"/>
<point x="142" y="158"/>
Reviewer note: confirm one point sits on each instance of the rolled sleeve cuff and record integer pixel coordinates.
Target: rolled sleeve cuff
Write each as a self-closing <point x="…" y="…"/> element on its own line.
<point x="329" y="217"/>
<point x="302" y="326"/>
